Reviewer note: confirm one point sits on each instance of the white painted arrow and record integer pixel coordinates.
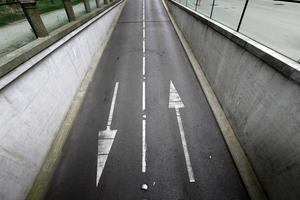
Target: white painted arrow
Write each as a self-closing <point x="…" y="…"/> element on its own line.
<point x="176" y="102"/>
<point x="106" y="138"/>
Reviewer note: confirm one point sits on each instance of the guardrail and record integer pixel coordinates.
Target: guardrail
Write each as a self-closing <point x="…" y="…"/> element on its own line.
<point x="33" y="17"/>
<point x="12" y="60"/>
<point x="272" y="23"/>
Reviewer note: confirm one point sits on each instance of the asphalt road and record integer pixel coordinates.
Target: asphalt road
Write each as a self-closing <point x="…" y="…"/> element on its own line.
<point x="210" y="172"/>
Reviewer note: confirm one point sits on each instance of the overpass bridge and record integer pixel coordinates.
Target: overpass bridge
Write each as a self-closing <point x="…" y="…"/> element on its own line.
<point x="148" y="99"/>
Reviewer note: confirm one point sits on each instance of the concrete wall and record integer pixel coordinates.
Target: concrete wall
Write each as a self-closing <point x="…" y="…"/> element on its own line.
<point x="262" y="105"/>
<point x="34" y="99"/>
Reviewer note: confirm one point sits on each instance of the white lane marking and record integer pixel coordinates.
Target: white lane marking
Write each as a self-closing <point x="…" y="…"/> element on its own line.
<point x="144" y="47"/>
<point x="144" y="144"/>
<point x="144" y="96"/>
<point x="144" y="65"/>
<point x="174" y="98"/>
<point x="185" y="149"/>
<point x="106" y="138"/>
<point x="176" y="102"/>
<point x="112" y="107"/>
<point x="144" y="147"/>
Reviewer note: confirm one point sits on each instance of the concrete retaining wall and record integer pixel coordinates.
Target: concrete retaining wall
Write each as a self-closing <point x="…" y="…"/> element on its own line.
<point x="262" y="105"/>
<point x="35" y="97"/>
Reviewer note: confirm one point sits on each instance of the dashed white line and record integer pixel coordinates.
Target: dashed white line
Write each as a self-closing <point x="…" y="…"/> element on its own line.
<point x="144" y="96"/>
<point x="144" y="64"/>
<point x="144" y="144"/>
<point x="144" y="147"/>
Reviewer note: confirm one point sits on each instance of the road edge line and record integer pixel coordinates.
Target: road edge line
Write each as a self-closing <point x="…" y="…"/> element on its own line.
<point x="240" y="159"/>
<point x="42" y="181"/>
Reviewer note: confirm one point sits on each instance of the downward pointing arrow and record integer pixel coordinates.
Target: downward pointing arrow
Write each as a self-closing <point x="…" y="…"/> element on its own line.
<point x="176" y="102"/>
<point x="106" y="138"/>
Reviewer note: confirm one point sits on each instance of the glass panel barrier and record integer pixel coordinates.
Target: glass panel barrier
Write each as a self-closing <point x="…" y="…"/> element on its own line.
<point x="204" y="7"/>
<point x="54" y="14"/>
<point x="191" y="4"/>
<point x="78" y="8"/>
<point x="275" y="24"/>
<point x="93" y="4"/>
<point x="15" y="31"/>
<point x="228" y="12"/>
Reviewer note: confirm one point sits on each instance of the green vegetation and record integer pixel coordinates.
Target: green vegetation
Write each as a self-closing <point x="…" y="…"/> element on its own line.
<point x="14" y="12"/>
<point x="44" y="6"/>
<point x="10" y="13"/>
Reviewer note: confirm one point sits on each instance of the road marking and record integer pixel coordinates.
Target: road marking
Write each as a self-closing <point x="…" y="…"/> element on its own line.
<point x="144" y="40"/>
<point x="112" y="106"/>
<point x="106" y="138"/>
<point x="174" y="98"/>
<point x="144" y="96"/>
<point x="144" y="147"/>
<point x="144" y="64"/>
<point x="176" y="102"/>
<point x="185" y="149"/>
<point x="144" y="144"/>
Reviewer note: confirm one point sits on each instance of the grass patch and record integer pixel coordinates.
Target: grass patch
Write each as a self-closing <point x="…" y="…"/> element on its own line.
<point x="10" y="14"/>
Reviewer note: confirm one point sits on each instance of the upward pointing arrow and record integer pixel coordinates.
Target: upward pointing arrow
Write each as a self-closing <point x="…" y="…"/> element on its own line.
<point x="176" y="102"/>
<point x="174" y="98"/>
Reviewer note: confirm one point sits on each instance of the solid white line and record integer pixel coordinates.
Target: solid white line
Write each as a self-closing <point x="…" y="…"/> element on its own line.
<point x="112" y="107"/>
<point x="144" y="147"/>
<point x="185" y="149"/>
<point x="144" y="96"/>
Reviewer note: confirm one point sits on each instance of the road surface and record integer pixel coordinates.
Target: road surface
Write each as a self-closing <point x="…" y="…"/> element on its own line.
<point x="145" y="127"/>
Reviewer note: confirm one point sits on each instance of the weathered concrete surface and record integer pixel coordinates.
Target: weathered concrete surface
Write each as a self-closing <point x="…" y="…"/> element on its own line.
<point x="34" y="105"/>
<point x="262" y="105"/>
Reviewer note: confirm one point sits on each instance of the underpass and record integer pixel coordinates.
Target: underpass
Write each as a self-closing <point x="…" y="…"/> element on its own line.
<point x="148" y="100"/>
<point x="165" y="135"/>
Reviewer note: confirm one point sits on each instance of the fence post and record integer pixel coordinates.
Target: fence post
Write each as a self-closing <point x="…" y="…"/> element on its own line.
<point x="69" y="10"/>
<point x="33" y="17"/>
<point x="212" y="9"/>
<point x="87" y="6"/>
<point x="242" y="17"/>
<point x="196" y="5"/>
<point x="97" y="4"/>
